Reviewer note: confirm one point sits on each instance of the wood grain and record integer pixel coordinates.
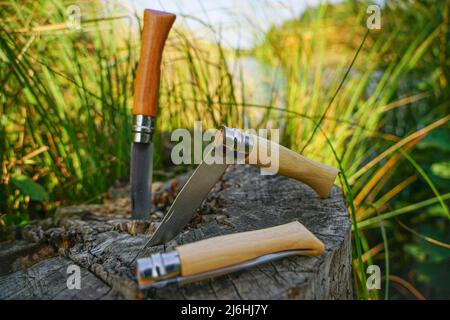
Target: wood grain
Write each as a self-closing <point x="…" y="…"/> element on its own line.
<point x="92" y="237"/>
<point x="223" y="251"/>
<point x="157" y="25"/>
<point x="279" y="160"/>
<point x="318" y="176"/>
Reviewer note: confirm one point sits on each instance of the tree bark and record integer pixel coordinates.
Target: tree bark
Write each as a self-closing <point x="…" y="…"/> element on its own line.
<point x="104" y="243"/>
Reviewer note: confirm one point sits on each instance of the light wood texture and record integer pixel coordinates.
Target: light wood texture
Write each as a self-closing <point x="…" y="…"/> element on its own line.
<point x="157" y="25"/>
<point x="318" y="176"/>
<point x="218" y="252"/>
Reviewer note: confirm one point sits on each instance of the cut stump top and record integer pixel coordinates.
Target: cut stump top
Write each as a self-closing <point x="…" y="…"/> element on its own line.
<point x="103" y="243"/>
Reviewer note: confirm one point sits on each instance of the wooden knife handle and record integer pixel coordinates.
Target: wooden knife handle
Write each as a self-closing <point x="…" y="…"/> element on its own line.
<point x="223" y="251"/>
<point x="265" y="153"/>
<point x="318" y="176"/>
<point x="157" y="25"/>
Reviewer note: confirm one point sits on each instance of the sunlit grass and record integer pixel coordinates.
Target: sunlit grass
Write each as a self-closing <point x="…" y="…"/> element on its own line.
<point x="67" y="95"/>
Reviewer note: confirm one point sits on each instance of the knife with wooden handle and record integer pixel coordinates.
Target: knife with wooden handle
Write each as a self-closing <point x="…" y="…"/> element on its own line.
<point x="157" y="25"/>
<point x="290" y="164"/>
<point x="223" y="254"/>
<point x="257" y="150"/>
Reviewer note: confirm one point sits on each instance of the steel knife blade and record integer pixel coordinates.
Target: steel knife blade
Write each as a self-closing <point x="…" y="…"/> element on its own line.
<point x="140" y="179"/>
<point x="188" y="200"/>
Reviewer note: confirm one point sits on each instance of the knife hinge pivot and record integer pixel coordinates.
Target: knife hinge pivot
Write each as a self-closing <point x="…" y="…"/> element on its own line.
<point x="142" y="128"/>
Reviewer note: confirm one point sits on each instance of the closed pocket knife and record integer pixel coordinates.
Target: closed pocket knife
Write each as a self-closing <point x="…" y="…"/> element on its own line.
<point x="224" y="254"/>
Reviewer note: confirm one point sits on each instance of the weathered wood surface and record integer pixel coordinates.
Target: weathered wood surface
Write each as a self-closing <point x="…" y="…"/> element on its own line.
<point x="101" y="240"/>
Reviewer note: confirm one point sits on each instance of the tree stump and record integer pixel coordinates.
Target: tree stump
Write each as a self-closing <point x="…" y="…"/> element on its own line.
<point x="103" y="243"/>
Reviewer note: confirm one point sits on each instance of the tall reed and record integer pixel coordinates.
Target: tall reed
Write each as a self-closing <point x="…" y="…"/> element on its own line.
<point x="329" y="85"/>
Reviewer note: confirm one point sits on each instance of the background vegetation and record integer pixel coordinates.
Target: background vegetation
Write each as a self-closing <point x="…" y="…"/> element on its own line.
<point x="374" y="103"/>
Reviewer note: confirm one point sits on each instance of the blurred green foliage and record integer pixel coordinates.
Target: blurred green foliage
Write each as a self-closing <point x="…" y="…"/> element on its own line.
<point x="66" y="100"/>
<point x="415" y="92"/>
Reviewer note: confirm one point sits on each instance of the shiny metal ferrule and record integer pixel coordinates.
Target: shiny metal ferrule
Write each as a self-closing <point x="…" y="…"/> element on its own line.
<point x="142" y="128"/>
<point x="157" y="267"/>
<point x="237" y="140"/>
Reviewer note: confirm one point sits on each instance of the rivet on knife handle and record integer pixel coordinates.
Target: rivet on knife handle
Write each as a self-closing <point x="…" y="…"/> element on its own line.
<point x="318" y="176"/>
<point x="219" y="254"/>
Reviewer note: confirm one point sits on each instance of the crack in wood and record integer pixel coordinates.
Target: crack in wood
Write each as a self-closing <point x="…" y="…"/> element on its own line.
<point x="103" y="243"/>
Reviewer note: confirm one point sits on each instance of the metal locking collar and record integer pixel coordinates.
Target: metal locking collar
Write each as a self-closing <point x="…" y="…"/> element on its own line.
<point x="158" y="266"/>
<point x="142" y="128"/>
